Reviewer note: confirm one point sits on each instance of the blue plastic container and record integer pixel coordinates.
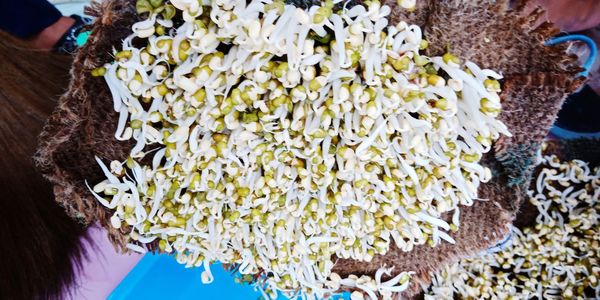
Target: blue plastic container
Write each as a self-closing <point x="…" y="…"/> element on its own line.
<point x="564" y="133"/>
<point x="160" y="277"/>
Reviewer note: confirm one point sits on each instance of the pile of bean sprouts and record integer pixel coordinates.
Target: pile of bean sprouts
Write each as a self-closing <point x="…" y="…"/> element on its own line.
<point x="279" y="138"/>
<point x="558" y="258"/>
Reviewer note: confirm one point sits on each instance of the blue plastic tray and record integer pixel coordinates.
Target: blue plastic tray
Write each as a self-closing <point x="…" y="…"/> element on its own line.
<point x="161" y="277"/>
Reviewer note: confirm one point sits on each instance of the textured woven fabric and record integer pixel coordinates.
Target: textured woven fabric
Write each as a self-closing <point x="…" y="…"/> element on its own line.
<point x="493" y="34"/>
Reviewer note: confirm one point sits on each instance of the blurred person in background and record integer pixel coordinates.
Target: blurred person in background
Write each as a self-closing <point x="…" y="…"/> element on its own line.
<point x="41" y="24"/>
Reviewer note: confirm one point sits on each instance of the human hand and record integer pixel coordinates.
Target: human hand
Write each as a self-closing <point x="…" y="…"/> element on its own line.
<point x="572" y="15"/>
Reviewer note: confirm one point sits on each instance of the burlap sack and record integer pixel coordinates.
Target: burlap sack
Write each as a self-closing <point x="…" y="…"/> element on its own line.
<point x="498" y="35"/>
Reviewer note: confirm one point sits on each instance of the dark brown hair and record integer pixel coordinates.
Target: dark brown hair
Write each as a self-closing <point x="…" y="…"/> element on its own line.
<point x="40" y="249"/>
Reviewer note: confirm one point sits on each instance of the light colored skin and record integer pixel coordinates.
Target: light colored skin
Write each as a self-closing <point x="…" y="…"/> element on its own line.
<point x="594" y="81"/>
<point x="573" y="15"/>
<point x="47" y="38"/>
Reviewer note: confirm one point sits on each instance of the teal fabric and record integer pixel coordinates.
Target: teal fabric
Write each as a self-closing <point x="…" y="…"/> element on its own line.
<point x="518" y="162"/>
<point x="82" y="38"/>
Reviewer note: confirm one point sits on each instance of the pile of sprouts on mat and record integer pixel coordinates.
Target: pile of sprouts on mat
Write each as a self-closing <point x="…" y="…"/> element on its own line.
<point x="558" y="258"/>
<point x="275" y="139"/>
